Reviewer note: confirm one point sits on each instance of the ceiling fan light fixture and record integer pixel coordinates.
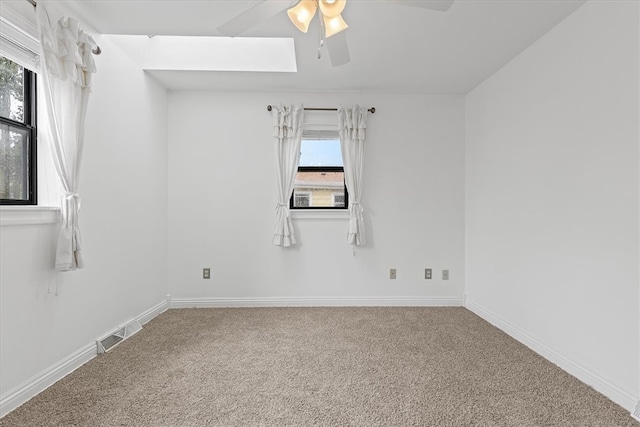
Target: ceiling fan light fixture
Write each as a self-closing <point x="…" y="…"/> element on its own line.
<point x="332" y="8"/>
<point x="302" y="14"/>
<point x="334" y="25"/>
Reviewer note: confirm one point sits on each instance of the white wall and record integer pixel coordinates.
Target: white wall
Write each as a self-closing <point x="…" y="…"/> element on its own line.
<point x="552" y="178"/>
<point x="123" y="219"/>
<point x="636" y="413"/>
<point x="552" y="194"/>
<point x="222" y="201"/>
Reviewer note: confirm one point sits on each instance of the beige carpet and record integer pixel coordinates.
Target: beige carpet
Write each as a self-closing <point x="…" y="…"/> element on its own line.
<point x="319" y="366"/>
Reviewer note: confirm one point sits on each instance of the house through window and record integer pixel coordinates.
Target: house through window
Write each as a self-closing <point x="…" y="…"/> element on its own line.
<point x="338" y="200"/>
<point x="319" y="182"/>
<point x="17" y="134"/>
<point x="302" y="199"/>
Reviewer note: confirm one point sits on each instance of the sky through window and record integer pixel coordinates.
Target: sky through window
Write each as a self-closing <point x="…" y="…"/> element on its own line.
<point x="321" y="152"/>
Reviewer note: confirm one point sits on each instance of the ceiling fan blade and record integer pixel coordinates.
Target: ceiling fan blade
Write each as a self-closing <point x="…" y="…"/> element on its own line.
<point x="252" y="17"/>
<point x="441" y="5"/>
<point x="338" y="49"/>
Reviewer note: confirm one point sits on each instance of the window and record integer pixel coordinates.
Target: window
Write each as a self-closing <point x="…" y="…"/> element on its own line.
<point x="319" y="182"/>
<point x="17" y="134"/>
<point x="301" y="199"/>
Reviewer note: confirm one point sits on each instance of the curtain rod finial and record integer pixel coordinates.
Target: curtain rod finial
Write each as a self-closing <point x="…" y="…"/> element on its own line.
<point x="269" y="108"/>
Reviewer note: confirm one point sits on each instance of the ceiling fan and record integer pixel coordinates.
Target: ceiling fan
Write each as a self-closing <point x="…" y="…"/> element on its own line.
<point x="302" y="12"/>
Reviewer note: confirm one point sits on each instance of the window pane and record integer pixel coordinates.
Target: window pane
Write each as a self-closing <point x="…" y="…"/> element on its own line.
<point x="11" y="90"/>
<point x="301" y="200"/>
<point x="14" y="155"/>
<point x="319" y="189"/>
<point x="320" y="153"/>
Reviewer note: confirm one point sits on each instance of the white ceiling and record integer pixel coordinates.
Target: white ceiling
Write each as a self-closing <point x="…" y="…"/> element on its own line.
<point x="393" y="48"/>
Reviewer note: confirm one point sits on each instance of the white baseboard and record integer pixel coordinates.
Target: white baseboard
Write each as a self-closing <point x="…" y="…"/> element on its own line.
<point x="19" y="395"/>
<point x="616" y="393"/>
<point x="316" y="302"/>
<point x="154" y="311"/>
<point x="43" y="380"/>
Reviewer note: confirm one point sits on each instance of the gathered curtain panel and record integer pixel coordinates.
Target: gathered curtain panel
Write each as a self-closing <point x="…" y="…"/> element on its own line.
<point x="352" y="124"/>
<point x="287" y="133"/>
<point x="66" y="71"/>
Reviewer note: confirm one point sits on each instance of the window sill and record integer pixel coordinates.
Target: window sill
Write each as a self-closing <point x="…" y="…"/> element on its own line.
<point x="28" y="215"/>
<point x="320" y="214"/>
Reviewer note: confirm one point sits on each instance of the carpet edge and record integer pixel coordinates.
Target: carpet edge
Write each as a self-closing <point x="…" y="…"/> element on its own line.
<point x="316" y="302"/>
<point x="46" y="378"/>
<point x="40" y="382"/>
<point x="588" y="376"/>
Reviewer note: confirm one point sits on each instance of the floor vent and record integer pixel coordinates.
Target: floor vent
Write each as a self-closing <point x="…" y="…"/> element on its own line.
<point x="110" y="341"/>
<point x="636" y="413"/>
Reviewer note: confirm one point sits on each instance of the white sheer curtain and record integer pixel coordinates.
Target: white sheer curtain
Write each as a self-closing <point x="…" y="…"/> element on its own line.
<point x="65" y="76"/>
<point x="352" y="123"/>
<point x="287" y="121"/>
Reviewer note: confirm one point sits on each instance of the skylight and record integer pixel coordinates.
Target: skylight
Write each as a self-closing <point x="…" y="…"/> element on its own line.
<point x="182" y="53"/>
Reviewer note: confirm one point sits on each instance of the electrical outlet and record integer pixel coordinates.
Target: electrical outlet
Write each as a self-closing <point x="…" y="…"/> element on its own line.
<point x="206" y="273"/>
<point x="392" y="273"/>
<point x="427" y="274"/>
<point x="445" y="274"/>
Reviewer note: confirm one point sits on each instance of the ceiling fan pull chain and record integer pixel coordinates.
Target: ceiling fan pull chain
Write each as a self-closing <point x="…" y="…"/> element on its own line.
<point x="320" y="36"/>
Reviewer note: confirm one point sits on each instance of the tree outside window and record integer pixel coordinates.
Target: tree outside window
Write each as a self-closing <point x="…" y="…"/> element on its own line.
<point x="17" y="134"/>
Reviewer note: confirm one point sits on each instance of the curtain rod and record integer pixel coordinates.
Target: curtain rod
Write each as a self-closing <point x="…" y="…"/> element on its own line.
<point x="371" y="110"/>
<point x="96" y="51"/>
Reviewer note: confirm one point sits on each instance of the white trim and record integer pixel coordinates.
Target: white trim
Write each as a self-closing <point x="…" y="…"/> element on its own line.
<point x="19" y="46"/>
<point x="317" y="185"/>
<point x="609" y="388"/>
<point x="319" y="213"/>
<point x="28" y="215"/>
<point x="316" y="302"/>
<point x="153" y="312"/>
<point x="29" y="28"/>
<point x="45" y="379"/>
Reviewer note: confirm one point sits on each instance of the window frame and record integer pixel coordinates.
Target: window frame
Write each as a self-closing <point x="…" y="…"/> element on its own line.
<point x="320" y="169"/>
<point x="29" y="126"/>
